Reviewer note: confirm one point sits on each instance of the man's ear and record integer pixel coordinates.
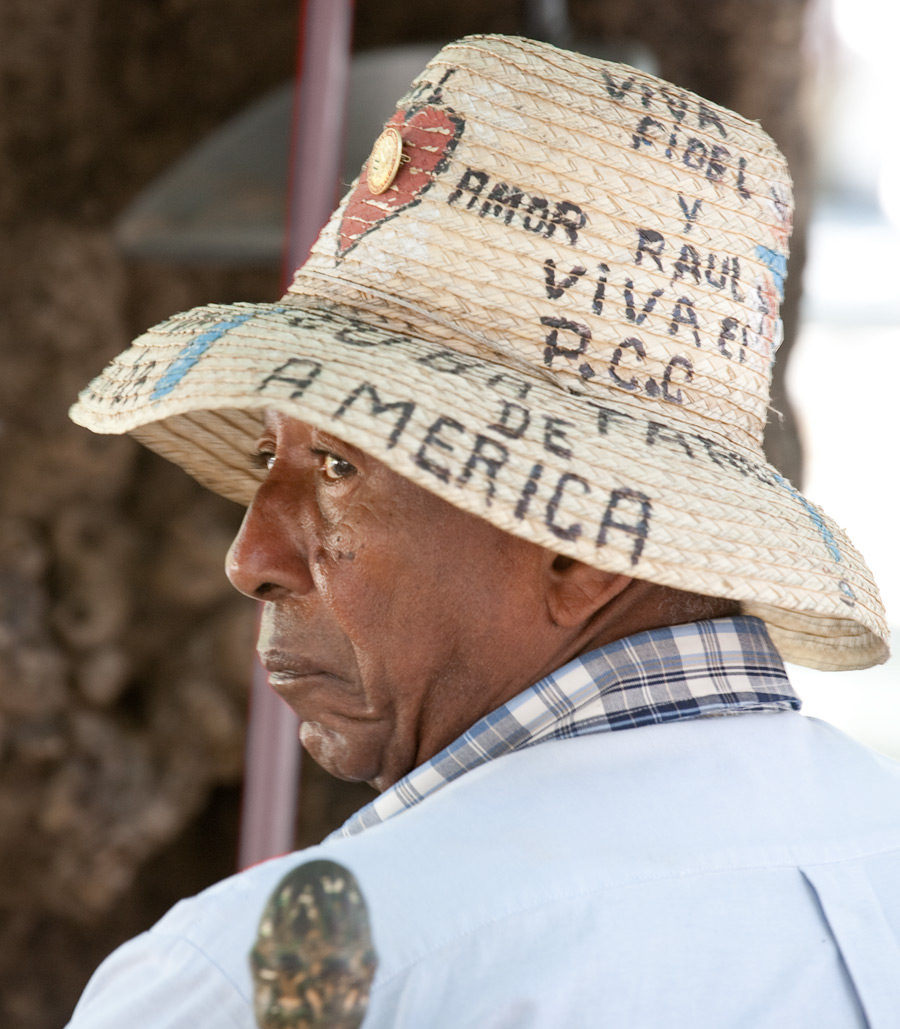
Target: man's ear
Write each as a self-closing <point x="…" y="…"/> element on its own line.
<point x="576" y="591"/>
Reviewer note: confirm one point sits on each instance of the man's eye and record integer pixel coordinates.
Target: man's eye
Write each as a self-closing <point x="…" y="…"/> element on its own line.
<point x="335" y="468"/>
<point x="263" y="459"/>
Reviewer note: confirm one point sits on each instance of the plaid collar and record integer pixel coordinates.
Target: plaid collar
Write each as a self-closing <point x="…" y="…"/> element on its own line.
<point x="721" y="667"/>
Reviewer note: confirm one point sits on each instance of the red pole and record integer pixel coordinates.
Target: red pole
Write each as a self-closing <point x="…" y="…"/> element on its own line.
<point x="319" y="114"/>
<point x="272" y="769"/>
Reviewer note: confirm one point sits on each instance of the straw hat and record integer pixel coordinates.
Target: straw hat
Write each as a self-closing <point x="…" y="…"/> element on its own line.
<point x="552" y="298"/>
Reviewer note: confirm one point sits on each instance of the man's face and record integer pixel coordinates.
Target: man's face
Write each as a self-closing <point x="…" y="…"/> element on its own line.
<point x="392" y="621"/>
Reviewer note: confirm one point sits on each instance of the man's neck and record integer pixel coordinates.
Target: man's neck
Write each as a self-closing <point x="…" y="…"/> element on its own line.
<point x="642" y="606"/>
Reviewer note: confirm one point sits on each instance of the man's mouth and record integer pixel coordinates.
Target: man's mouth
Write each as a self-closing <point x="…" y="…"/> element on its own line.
<point x="286" y="669"/>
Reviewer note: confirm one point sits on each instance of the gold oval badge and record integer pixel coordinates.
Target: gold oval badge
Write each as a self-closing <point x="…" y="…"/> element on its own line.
<point x="384" y="161"/>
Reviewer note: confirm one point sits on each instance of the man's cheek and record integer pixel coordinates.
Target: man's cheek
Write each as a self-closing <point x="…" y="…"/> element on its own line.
<point x="340" y="540"/>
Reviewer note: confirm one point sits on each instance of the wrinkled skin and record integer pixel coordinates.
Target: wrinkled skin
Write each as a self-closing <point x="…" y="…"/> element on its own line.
<point x="393" y="621"/>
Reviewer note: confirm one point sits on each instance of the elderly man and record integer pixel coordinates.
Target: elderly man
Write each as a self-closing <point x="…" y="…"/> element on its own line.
<point x="501" y="446"/>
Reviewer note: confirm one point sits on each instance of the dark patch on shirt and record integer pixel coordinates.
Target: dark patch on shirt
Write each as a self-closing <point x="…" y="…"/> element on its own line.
<point x="313" y="960"/>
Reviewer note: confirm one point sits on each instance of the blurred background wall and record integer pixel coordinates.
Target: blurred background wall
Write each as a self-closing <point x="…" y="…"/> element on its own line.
<point x="124" y="654"/>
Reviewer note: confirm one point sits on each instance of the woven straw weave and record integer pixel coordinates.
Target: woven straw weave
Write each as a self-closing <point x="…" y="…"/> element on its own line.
<point x="560" y="316"/>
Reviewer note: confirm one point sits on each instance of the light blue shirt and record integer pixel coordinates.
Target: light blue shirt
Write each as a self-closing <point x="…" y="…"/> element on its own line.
<point x="722" y="666"/>
<point x="710" y="872"/>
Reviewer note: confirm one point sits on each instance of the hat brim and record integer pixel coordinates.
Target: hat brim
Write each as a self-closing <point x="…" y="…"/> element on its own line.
<point x="619" y="484"/>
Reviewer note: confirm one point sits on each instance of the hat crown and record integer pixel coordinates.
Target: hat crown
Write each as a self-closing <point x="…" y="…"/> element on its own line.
<point x="581" y="219"/>
<point x="552" y="299"/>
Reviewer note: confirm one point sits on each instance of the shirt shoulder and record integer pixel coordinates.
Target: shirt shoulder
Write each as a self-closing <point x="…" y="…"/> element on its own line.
<point x="568" y="869"/>
<point x="190" y="970"/>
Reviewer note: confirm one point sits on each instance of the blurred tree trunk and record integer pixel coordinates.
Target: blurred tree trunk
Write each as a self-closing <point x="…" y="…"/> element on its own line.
<point x="124" y="655"/>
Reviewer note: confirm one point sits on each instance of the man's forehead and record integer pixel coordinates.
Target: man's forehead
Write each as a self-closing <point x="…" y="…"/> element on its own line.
<point x="274" y="419"/>
<point x="285" y="425"/>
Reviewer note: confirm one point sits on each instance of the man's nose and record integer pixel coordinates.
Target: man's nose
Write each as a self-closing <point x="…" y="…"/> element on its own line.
<point x="268" y="558"/>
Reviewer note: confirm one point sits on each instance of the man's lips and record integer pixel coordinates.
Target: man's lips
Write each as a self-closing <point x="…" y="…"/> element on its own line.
<point x="286" y="669"/>
<point x="313" y="688"/>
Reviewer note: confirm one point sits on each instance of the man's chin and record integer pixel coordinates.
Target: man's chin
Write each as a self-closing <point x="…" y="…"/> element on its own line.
<point x="338" y="755"/>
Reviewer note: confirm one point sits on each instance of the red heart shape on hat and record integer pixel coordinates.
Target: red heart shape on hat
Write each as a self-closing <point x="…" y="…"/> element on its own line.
<point x="429" y="135"/>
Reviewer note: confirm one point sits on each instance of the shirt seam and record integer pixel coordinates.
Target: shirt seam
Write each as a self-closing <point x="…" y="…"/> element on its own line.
<point x="207" y="958"/>
<point x="784" y="866"/>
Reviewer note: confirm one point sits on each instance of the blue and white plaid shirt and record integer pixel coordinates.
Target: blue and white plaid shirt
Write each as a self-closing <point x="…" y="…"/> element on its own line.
<point x="725" y="666"/>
